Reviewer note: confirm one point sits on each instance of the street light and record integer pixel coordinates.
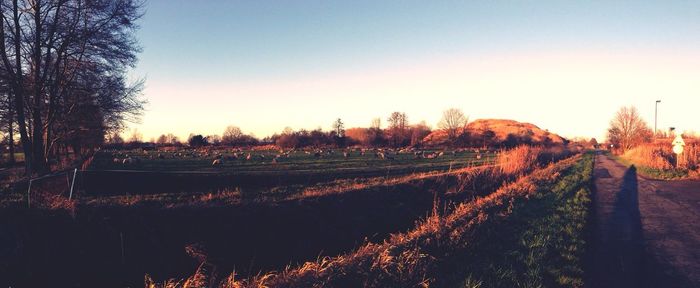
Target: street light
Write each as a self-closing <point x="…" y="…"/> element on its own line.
<point x="656" y="113"/>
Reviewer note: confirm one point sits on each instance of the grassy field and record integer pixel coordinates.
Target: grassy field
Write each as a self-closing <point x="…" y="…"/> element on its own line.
<point x="297" y="161"/>
<point x="170" y="235"/>
<point x="191" y="171"/>
<point x="526" y="234"/>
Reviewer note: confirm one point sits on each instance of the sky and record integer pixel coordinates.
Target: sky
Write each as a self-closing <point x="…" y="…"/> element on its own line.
<point x="566" y="66"/>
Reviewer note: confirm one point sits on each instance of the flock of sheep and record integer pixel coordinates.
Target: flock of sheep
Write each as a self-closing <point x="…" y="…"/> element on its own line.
<point x="220" y="158"/>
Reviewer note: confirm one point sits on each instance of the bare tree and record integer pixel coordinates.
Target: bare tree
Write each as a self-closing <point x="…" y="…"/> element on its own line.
<point x="452" y="122"/>
<point x="162" y="140"/>
<point x="231" y="135"/>
<point x="419" y="132"/>
<point x="398" y="129"/>
<point x="376" y="123"/>
<point x="339" y="128"/>
<point x="136" y="137"/>
<point x="66" y="62"/>
<point x="214" y="139"/>
<point x="628" y="129"/>
<point x="115" y="138"/>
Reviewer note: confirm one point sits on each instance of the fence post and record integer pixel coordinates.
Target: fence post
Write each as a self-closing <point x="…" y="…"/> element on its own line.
<point x="70" y="196"/>
<point x="29" y="190"/>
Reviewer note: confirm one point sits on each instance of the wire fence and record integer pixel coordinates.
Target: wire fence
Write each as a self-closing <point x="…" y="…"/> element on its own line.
<point x="74" y="183"/>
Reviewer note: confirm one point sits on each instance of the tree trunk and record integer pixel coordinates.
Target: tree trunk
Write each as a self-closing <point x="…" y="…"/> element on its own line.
<point x="18" y="87"/>
<point x="40" y="164"/>
<point x="10" y="131"/>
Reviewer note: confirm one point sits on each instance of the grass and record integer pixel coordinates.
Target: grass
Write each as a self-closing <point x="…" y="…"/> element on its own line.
<point x="297" y="162"/>
<point x="541" y="244"/>
<point x="651" y="165"/>
<point x="191" y="171"/>
<point x="528" y="233"/>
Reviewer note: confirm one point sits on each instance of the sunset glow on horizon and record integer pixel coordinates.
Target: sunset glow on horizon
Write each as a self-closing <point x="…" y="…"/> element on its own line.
<point x="295" y="73"/>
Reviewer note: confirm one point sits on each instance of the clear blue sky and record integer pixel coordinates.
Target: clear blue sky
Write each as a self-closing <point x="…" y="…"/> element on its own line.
<point x="563" y="65"/>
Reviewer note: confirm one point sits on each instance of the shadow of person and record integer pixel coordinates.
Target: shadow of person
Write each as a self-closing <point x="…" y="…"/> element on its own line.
<point x="620" y="257"/>
<point x="627" y="237"/>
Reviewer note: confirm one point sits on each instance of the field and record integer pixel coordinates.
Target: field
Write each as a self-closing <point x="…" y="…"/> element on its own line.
<point x="138" y="218"/>
<point x="207" y="218"/>
<point x="112" y="239"/>
<point x="192" y="170"/>
<point x="527" y="233"/>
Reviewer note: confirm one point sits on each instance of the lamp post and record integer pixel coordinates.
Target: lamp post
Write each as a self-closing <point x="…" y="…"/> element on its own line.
<point x="656" y="114"/>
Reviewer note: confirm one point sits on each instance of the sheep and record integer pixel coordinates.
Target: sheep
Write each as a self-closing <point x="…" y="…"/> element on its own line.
<point x="432" y="155"/>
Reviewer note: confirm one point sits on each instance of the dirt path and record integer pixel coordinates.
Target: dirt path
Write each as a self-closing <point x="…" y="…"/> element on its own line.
<point x="646" y="233"/>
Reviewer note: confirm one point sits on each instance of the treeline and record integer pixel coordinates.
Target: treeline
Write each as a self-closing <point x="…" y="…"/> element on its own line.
<point x="398" y="133"/>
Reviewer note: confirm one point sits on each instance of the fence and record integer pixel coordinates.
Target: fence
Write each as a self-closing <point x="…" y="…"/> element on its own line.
<point x="73" y="183"/>
<point x="51" y="185"/>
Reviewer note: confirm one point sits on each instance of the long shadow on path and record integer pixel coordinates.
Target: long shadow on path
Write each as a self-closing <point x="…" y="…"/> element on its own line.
<point x="618" y="246"/>
<point x="619" y="255"/>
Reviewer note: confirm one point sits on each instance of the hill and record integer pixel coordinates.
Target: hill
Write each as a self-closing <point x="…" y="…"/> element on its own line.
<point x="501" y="128"/>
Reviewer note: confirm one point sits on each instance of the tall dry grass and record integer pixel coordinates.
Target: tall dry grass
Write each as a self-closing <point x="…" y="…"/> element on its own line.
<point x="651" y="155"/>
<point x="660" y="156"/>
<point x="518" y="160"/>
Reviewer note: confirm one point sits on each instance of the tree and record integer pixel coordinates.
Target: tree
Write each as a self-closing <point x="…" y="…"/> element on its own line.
<point x="488" y="136"/>
<point x="594" y="143"/>
<point x="398" y="128"/>
<point x="231" y="135"/>
<point x="628" y="129"/>
<point x="213" y="139"/>
<point x="418" y="133"/>
<point x="168" y="139"/>
<point x="197" y="141"/>
<point x="136" y="137"/>
<point x="162" y="140"/>
<point x="57" y="55"/>
<point x="339" y="128"/>
<point x="115" y="138"/>
<point x="376" y="123"/>
<point x="453" y="122"/>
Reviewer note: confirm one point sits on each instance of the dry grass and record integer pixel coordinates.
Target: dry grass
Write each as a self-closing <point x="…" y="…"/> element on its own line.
<point x="657" y="160"/>
<point x="652" y="156"/>
<point x="518" y="160"/>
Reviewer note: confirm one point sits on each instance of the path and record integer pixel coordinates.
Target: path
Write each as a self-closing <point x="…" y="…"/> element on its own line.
<point x="646" y="233"/>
